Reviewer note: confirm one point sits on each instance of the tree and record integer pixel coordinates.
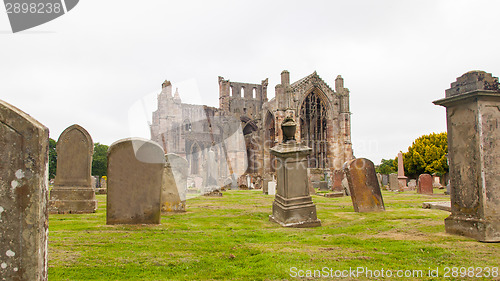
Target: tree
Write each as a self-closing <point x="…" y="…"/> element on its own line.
<point x="100" y="160"/>
<point x="52" y="158"/>
<point x="427" y="154"/>
<point x="386" y="167"/>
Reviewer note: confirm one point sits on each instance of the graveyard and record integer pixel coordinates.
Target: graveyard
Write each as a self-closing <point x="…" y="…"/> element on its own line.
<point x="231" y="238"/>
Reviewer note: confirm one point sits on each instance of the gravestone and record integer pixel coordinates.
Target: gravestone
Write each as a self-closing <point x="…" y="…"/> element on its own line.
<point x="24" y="144"/>
<point x="425" y="184"/>
<point x="135" y="171"/>
<point x="309" y="182"/>
<point x="323" y="186"/>
<point x="73" y="192"/>
<point x="338" y="176"/>
<point x="271" y="189"/>
<point x="393" y="182"/>
<point x="104" y="183"/>
<point x="267" y="179"/>
<point x="472" y="114"/>
<point x="345" y="186"/>
<point x="292" y="206"/>
<point x="379" y="179"/>
<point x="412" y="184"/>
<point x="174" y="186"/>
<point x="385" y="179"/>
<point x="401" y="173"/>
<point x="363" y="185"/>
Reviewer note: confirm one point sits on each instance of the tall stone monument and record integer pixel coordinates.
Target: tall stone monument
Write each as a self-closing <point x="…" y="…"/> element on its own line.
<point x="73" y="192"/>
<point x="472" y="114"/>
<point x="292" y="206"/>
<point x="135" y="172"/>
<point x="363" y="186"/>
<point x="174" y="186"/>
<point x="24" y="144"/>
<point x="401" y="173"/>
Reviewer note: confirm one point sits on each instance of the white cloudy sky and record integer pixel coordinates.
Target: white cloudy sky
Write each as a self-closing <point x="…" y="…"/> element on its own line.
<point x="93" y="64"/>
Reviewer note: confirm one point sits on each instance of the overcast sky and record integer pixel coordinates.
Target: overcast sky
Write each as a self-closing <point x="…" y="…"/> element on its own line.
<point x="92" y="65"/>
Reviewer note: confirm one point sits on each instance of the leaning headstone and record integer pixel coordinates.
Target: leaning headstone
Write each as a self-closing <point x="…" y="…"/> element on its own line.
<point x="271" y="189"/>
<point x="363" y="185"/>
<point x="473" y="113"/>
<point x="24" y="144"/>
<point x="174" y="186"/>
<point x="72" y="192"/>
<point x="393" y="182"/>
<point x="425" y="184"/>
<point x="135" y="171"/>
<point x="292" y="206"/>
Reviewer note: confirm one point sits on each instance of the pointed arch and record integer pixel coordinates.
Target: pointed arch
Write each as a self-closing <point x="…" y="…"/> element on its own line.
<point x="314" y="126"/>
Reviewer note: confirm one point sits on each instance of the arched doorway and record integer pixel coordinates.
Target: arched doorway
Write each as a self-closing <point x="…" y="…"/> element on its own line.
<point x="313" y="126"/>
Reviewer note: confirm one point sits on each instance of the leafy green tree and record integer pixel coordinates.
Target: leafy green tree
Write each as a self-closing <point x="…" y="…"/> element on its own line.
<point x="100" y="160"/>
<point x="52" y="158"/>
<point x="386" y="167"/>
<point x="427" y="154"/>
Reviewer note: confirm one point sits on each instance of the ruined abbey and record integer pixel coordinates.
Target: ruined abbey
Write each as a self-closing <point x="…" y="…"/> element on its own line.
<point x="246" y="124"/>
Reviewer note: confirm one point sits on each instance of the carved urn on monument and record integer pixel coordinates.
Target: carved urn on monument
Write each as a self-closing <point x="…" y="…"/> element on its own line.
<point x="292" y="206"/>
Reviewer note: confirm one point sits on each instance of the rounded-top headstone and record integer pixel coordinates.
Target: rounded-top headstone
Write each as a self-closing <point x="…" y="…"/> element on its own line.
<point x="425" y="184"/>
<point x="74" y="157"/>
<point x="135" y="171"/>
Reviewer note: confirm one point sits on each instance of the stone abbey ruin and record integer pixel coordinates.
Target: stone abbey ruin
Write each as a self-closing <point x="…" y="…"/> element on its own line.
<point x="191" y="131"/>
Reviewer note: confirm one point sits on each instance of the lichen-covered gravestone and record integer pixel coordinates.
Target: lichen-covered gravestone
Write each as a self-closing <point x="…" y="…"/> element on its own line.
<point x="363" y="186"/>
<point x="174" y="187"/>
<point x="73" y="192"/>
<point x="23" y="196"/>
<point x="472" y="115"/>
<point x="135" y="172"/>
<point x="425" y="184"/>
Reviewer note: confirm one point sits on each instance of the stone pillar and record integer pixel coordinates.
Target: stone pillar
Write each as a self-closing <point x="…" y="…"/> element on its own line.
<point x="363" y="186"/>
<point x="135" y="171"/>
<point x="292" y="206"/>
<point x="473" y="115"/>
<point x="24" y="230"/>
<point x="73" y="192"/>
<point x="401" y="173"/>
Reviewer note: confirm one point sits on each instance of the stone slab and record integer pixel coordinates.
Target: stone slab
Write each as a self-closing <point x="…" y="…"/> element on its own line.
<point x="445" y="206"/>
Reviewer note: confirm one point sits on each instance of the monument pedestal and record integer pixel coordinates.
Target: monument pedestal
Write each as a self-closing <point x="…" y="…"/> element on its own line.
<point x="293" y="206"/>
<point x="72" y="200"/>
<point x="472" y="113"/>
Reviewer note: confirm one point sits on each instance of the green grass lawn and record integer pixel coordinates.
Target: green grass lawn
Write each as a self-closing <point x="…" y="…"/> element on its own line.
<point x="231" y="238"/>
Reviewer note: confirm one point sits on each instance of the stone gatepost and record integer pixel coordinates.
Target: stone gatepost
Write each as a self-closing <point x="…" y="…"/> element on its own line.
<point x="73" y="192"/>
<point x="292" y="206"/>
<point x="473" y="119"/>
<point x="24" y="144"/>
